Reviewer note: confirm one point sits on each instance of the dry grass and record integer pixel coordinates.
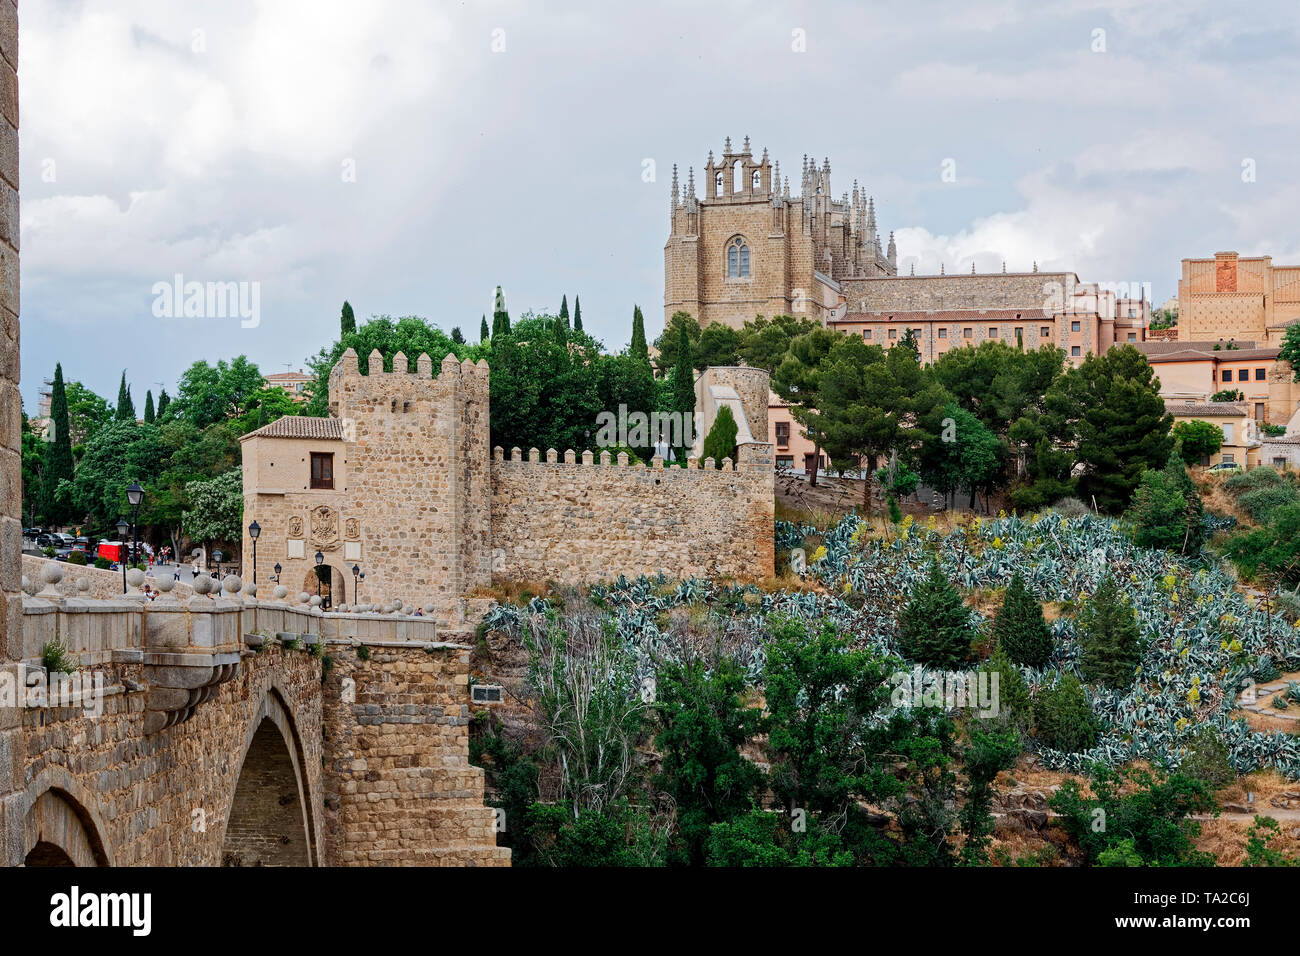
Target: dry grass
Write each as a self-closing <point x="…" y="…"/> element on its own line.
<point x="1226" y="839"/>
<point x="516" y="592"/>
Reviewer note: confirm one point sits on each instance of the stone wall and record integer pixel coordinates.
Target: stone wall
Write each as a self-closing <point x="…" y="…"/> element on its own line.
<point x="11" y="609"/>
<point x="580" y="522"/>
<point x="399" y="786"/>
<point x="1017" y="290"/>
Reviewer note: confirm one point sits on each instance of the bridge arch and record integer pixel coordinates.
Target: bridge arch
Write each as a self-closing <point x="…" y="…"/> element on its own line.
<point x="271" y="820"/>
<point x="62" y="826"/>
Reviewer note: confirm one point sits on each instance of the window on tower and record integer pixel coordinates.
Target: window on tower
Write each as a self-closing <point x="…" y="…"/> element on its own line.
<point x="737" y="259"/>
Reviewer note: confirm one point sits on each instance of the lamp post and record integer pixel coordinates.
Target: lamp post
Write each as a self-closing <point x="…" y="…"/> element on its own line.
<point x="277" y="572"/>
<point x="356" y="571"/>
<point x="135" y="496"/>
<point x="217" y="557"/>
<point x="320" y="559"/>
<point x="254" y="532"/>
<point x="122" y="528"/>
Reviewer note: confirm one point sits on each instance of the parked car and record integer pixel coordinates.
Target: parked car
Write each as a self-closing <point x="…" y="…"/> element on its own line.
<point x="33" y="532"/>
<point x="61" y="554"/>
<point x="1225" y="466"/>
<point x="44" y="541"/>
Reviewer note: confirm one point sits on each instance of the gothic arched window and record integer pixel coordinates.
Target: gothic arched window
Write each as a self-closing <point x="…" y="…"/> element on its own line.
<point x="737" y="259"/>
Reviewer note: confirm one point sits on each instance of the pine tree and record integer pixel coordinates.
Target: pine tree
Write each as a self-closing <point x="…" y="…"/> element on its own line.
<point x="148" y="407"/>
<point x="638" y="347"/>
<point x="1019" y="627"/>
<point x="683" y="394"/>
<point x="125" y="407"/>
<point x="458" y="336"/>
<point x="577" y="315"/>
<point x="934" y="628"/>
<point x="483" y="334"/>
<point x="163" y="401"/>
<point x="720" y="442"/>
<point x="1167" y="511"/>
<point x="564" y="310"/>
<point x="1109" y="637"/>
<point x="59" y="451"/>
<point x="347" y="321"/>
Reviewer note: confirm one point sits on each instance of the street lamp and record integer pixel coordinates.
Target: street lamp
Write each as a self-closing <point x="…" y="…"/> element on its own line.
<point x="320" y="559"/>
<point x="254" y="532"/>
<point x="356" y="571"/>
<point x="277" y="572"/>
<point x="122" y="529"/>
<point x="217" y="556"/>
<point x="135" y="496"/>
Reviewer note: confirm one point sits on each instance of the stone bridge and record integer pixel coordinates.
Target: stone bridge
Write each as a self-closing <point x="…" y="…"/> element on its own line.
<point x="207" y="731"/>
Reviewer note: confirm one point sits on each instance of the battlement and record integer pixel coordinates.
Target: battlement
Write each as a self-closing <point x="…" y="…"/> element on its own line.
<point x="401" y="389"/>
<point x="751" y="456"/>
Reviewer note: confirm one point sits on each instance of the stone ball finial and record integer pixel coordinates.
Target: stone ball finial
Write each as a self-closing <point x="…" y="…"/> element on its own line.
<point x="233" y="584"/>
<point x="165" y="584"/>
<point x="135" y="578"/>
<point x="83" y="585"/>
<point x="250" y="589"/>
<point x="303" y="597"/>
<point x="428" y="609"/>
<point x="202" y="584"/>
<point x="343" y="609"/>
<point x="315" y="600"/>
<point x="280" y="592"/>
<point x="51" y="573"/>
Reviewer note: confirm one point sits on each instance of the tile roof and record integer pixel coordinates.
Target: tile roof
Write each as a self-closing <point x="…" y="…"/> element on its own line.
<point x="1158" y="347"/>
<point x="300" y="426"/>
<point x="1215" y="409"/>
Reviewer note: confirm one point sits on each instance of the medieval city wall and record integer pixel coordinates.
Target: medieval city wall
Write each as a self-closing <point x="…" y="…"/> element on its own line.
<point x="581" y="521"/>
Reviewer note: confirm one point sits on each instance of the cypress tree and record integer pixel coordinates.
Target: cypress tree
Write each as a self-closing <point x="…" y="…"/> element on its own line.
<point x="483" y="334"/>
<point x="59" y="452"/>
<point x="577" y="315"/>
<point x="347" y="321"/>
<point x="720" y="442"/>
<point x="163" y="401"/>
<point x="125" y="407"/>
<point x="148" y="407"/>
<point x="457" y="336"/>
<point x="684" y="381"/>
<point x="638" y="349"/>
<point x="934" y="628"/>
<point x="1020" y="628"/>
<point x="564" y="310"/>
<point x="1109" y="637"/>
<point x="500" y="317"/>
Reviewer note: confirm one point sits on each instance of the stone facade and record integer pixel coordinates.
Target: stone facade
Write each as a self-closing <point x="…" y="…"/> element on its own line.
<point x="399" y="790"/>
<point x="790" y="253"/>
<point x="12" y="809"/>
<point x="1235" y="297"/>
<point x="419" y="503"/>
<point x="587" y="521"/>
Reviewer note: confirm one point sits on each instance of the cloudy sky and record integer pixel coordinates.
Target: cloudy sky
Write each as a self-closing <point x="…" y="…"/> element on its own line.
<point x="410" y="155"/>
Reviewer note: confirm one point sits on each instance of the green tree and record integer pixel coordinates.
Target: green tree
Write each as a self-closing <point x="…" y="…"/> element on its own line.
<point x="163" y="401"/>
<point x="934" y="627"/>
<point x="1019" y="627"/>
<point x="720" y="442"/>
<point x="1063" y="720"/>
<point x="1196" y="440"/>
<point x="58" y="466"/>
<point x="797" y="378"/>
<point x="216" y="508"/>
<point x="959" y="451"/>
<point x="34" y="452"/>
<point x="719" y="346"/>
<point x="670" y="338"/>
<point x="208" y="394"/>
<point x="457" y="336"/>
<point x="638" y="349"/>
<point x="577" y="315"/>
<point x="564" y="310"/>
<point x="1167" y="511"/>
<point x="1109" y="637"/>
<point x="1112" y="408"/>
<point x="148" y="407"/>
<point x="1015" y="704"/>
<point x="989" y="751"/>
<point x="483" y="334"/>
<point x="683" y="376"/>
<point x="1290" y="350"/>
<point x="765" y="342"/>
<point x="347" y="321"/>
<point x="500" y="317"/>
<point x="120" y="453"/>
<point x="703" y="725"/>
<point x="125" y="407"/>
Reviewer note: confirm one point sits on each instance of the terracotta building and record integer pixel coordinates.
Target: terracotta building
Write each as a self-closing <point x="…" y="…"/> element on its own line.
<point x="1231" y="296"/>
<point x="1195" y="371"/>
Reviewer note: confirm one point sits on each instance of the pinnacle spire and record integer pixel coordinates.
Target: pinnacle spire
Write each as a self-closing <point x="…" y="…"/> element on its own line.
<point x="726" y="147"/>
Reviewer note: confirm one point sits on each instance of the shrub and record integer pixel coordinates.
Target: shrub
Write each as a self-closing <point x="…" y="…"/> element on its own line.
<point x="103" y="563"/>
<point x="1167" y="511"/>
<point x="49" y="552"/>
<point x="935" y="628"/>
<point x="1109" y="636"/>
<point x="1019" y="627"/>
<point x="76" y="557"/>
<point x="1015" y="704"/>
<point x="1063" y="720"/>
<point x="1261" y="502"/>
<point x="1197" y="440"/>
<point x="56" y="659"/>
<point x="720" y="442"/>
<point x="363" y="652"/>
<point x="1261" y="477"/>
<point x="1207" y="759"/>
<point x="1071" y="508"/>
